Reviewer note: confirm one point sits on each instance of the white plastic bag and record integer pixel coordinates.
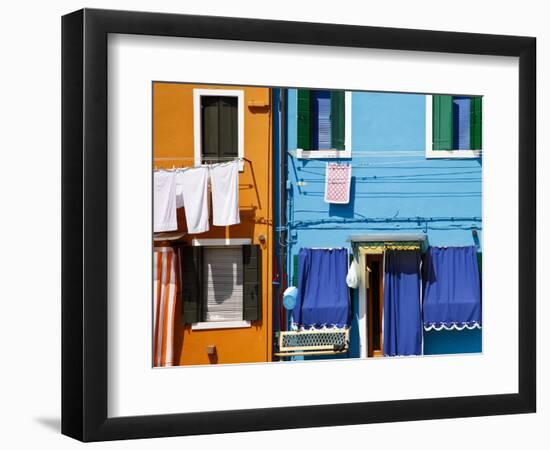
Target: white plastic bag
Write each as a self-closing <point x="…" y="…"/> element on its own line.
<point x="352" y="278"/>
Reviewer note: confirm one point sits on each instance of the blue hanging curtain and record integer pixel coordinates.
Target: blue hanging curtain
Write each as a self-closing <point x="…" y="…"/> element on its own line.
<point x="402" y="318"/>
<point x="323" y="298"/>
<point x="452" y="294"/>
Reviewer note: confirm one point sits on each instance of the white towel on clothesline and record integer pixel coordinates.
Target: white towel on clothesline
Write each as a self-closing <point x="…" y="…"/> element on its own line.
<point x="164" y="202"/>
<point x="193" y="185"/>
<point x="337" y="183"/>
<point x="224" y="178"/>
<point x="179" y="192"/>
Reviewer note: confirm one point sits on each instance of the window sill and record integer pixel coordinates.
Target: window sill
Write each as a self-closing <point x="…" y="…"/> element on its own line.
<point x="220" y="325"/>
<point x="221" y="242"/>
<point x="455" y="154"/>
<point x="322" y="154"/>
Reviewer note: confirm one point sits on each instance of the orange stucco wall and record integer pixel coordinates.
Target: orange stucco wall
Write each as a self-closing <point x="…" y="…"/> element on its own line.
<point x="173" y="146"/>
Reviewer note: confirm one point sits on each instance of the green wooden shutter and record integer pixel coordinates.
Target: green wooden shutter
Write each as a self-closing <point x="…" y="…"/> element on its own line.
<point x="304" y="119"/>
<point x="295" y="270"/>
<point x="191" y="283"/>
<point x="228" y="127"/>
<point x="337" y="117"/>
<point x="442" y="122"/>
<point x="475" y="123"/>
<point x="252" y="282"/>
<point x="210" y="113"/>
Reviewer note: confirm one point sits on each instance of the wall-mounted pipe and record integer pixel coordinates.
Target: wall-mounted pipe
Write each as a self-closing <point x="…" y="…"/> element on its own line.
<point x="282" y="196"/>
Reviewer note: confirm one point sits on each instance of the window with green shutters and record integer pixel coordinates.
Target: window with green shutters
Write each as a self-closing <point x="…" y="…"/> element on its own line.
<point x="456" y="123"/>
<point x="219" y="128"/>
<point x="221" y="283"/>
<point x="320" y="120"/>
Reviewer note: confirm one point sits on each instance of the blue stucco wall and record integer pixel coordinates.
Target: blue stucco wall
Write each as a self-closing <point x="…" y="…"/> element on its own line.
<point x="394" y="189"/>
<point x="452" y="341"/>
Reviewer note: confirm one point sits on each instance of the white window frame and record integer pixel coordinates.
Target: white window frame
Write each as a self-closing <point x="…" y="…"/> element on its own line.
<point x="197" y="94"/>
<point x="333" y="153"/>
<point x="230" y="323"/>
<point x="438" y="154"/>
<point x="362" y="252"/>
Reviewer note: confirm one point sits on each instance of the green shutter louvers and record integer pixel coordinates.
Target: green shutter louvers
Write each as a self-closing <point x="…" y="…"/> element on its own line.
<point x="337" y="117"/>
<point x="228" y="127"/>
<point x="191" y="283"/>
<point x="475" y="124"/>
<point x="295" y="270"/>
<point x="442" y="122"/>
<point x="252" y="282"/>
<point x="304" y="119"/>
<point x="210" y="121"/>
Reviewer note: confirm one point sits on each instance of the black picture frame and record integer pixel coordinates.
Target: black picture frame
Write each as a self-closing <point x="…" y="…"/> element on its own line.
<point x="84" y="224"/>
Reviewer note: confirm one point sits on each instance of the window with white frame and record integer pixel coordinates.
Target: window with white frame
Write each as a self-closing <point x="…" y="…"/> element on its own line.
<point x="323" y="123"/>
<point x="453" y="126"/>
<point x="220" y="283"/>
<point x="219" y="125"/>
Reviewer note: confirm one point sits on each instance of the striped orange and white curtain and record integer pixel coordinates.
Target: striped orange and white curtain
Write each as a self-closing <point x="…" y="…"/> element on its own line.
<point x="165" y="264"/>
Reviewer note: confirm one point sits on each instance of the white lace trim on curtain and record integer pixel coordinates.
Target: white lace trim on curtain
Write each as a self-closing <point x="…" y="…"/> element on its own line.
<point x="452" y="326"/>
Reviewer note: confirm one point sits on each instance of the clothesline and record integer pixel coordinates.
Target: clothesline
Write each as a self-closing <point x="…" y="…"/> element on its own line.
<point x="381" y="154"/>
<point x="217" y="161"/>
<point x="188" y="188"/>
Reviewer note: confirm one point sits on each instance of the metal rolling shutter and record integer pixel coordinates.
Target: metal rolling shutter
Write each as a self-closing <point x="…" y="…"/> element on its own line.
<point x="461" y="123"/>
<point x="321" y="122"/>
<point x="223" y="283"/>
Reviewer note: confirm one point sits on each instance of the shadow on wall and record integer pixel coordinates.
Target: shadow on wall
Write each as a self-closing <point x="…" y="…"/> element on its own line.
<point x="345" y="211"/>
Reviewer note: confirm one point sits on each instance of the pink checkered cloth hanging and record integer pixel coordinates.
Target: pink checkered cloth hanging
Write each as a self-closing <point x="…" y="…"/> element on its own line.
<point x="337" y="183"/>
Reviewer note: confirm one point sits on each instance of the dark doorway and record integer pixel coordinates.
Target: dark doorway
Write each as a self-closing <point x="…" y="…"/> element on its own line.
<point x="375" y="304"/>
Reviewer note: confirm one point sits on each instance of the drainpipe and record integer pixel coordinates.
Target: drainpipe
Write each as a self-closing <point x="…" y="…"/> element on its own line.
<point x="282" y="197"/>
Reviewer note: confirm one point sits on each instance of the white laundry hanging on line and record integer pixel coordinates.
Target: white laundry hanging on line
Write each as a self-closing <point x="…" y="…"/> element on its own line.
<point x="164" y="202"/>
<point x="224" y="178"/>
<point x="337" y="183"/>
<point x="179" y="192"/>
<point x="193" y="185"/>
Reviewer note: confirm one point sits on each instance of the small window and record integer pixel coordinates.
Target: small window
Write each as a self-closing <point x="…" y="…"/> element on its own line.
<point x="321" y="117"/>
<point x="220" y="285"/>
<point x="456" y="126"/>
<point x="219" y="128"/>
<point x="218" y="116"/>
